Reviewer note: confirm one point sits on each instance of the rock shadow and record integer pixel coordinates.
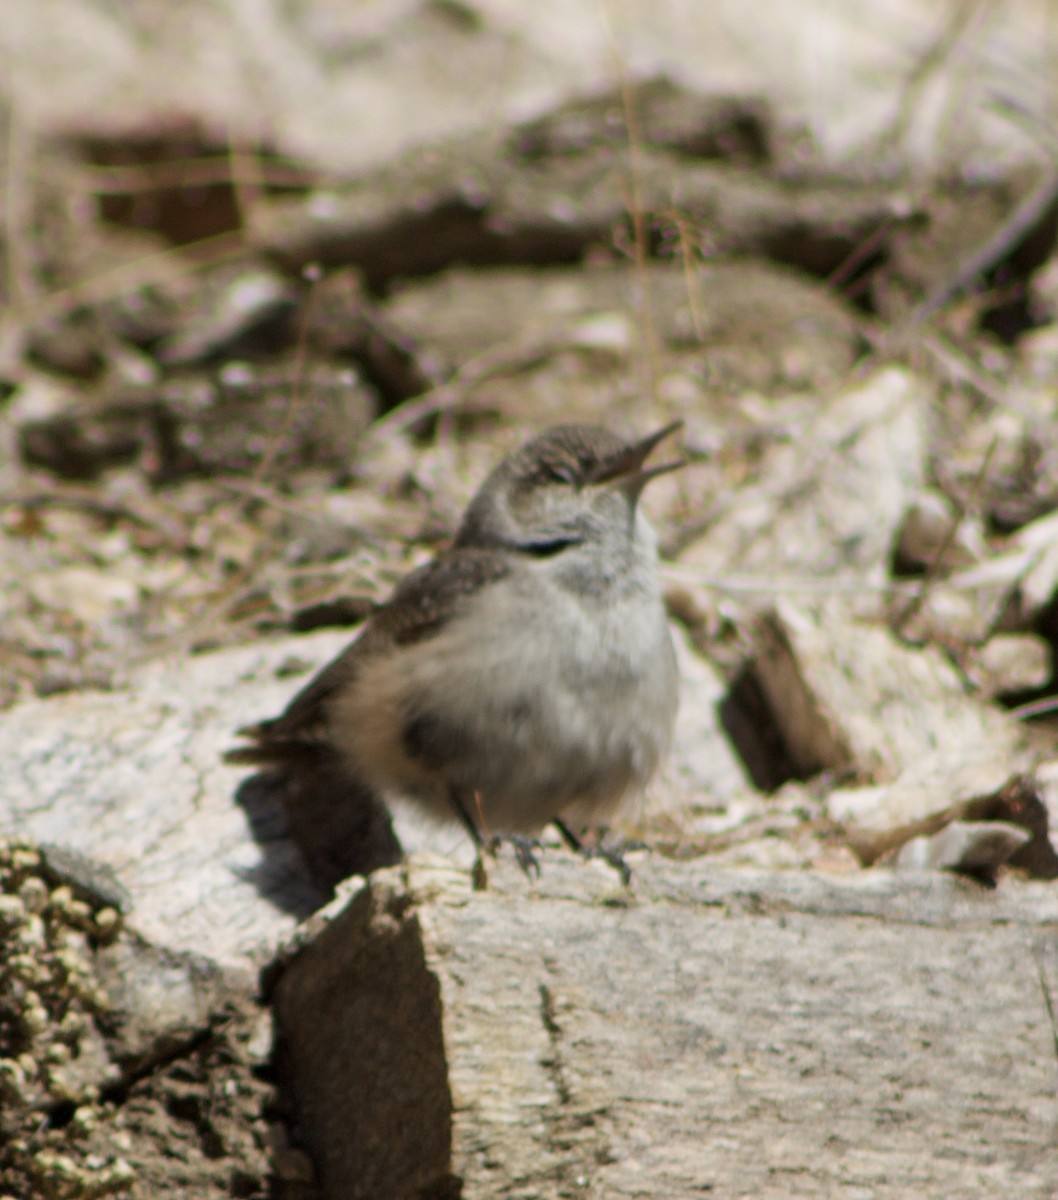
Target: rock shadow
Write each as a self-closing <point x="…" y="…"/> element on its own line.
<point x="315" y="827"/>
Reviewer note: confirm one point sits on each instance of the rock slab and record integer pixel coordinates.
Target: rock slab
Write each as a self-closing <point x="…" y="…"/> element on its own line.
<point x="736" y="1034"/>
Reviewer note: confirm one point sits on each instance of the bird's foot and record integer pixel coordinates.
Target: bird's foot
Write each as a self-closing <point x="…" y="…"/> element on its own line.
<point x="614" y="855"/>
<point x="611" y="852"/>
<point x="525" y="849"/>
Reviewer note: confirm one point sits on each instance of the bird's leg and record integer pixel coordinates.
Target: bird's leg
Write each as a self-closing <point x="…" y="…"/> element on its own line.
<point x="466" y="820"/>
<point x="609" y="854"/>
<point x="478" y="873"/>
<point x="524" y="848"/>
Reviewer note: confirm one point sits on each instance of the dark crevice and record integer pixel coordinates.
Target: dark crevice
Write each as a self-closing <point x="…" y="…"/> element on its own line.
<point x="553" y="1063"/>
<point x="175" y="1050"/>
<point x="59" y="1115"/>
<point x="1014" y="314"/>
<point x="748" y="722"/>
<point x="1011" y="319"/>
<point x="457" y="233"/>
<point x="837" y="258"/>
<point x="178" y="179"/>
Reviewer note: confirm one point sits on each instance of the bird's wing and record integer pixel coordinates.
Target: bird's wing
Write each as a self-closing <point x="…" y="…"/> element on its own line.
<point x="420" y="607"/>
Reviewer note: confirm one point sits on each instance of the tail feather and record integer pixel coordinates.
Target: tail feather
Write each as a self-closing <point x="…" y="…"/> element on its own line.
<point x="266" y="749"/>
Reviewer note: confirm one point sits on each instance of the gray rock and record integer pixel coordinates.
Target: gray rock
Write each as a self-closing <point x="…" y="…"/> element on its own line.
<point x="719" y="1030"/>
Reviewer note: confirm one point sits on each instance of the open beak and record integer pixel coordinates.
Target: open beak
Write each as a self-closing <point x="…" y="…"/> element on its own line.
<point x="625" y="468"/>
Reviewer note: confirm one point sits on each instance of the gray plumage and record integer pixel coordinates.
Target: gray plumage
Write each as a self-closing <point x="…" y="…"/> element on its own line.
<point x="525" y="675"/>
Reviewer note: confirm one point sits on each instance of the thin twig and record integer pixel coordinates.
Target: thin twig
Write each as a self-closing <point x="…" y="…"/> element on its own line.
<point x="87" y="502"/>
<point x="297" y="385"/>
<point x="1002" y="242"/>
<point x="929" y="65"/>
<point x="220" y="602"/>
<point x="1036" y="125"/>
<point x="497" y="360"/>
<point x="961" y="369"/>
<point x="635" y="203"/>
<point x="1035" y="708"/>
<point x="843" y="272"/>
<point x="263" y="494"/>
<point x="17" y="242"/>
<point x="135" y="274"/>
<point x="690" y="282"/>
<point x="245" y="179"/>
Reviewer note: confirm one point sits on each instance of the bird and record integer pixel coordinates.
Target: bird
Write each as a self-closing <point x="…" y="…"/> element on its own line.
<point x="525" y="676"/>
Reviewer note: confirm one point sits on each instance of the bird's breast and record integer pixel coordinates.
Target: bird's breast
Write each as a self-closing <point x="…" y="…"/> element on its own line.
<point x="532" y="698"/>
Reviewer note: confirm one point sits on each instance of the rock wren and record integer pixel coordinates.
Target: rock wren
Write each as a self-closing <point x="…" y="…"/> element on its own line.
<point x="526" y="675"/>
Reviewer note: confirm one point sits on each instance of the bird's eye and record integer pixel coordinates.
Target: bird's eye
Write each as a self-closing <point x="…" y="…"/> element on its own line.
<point x="562" y="473"/>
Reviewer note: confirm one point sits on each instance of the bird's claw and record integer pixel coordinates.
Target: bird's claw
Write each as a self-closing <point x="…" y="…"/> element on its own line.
<point x="610" y="853"/>
<point x="613" y="856"/>
<point x="525" y="849"/>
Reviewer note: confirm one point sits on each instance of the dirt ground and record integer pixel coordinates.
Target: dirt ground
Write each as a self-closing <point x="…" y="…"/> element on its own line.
<point x="240" y="396"/>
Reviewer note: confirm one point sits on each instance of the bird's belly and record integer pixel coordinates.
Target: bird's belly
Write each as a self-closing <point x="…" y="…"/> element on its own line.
<point x="524" y="728"/>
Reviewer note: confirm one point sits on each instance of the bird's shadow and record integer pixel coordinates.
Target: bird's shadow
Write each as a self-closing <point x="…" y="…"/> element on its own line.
<point x="315" y="827"/>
